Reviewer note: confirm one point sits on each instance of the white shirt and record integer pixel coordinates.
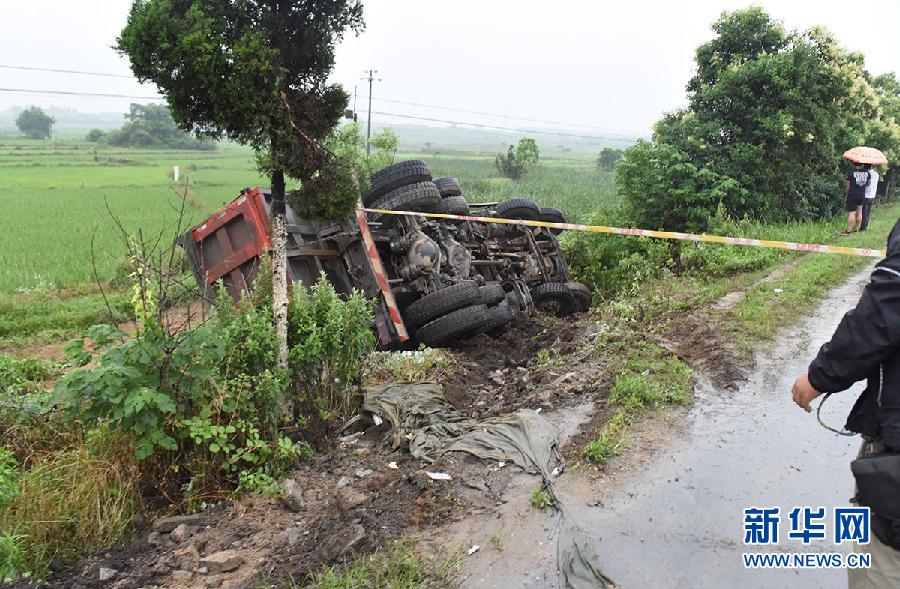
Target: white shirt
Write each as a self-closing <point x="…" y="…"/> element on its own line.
<point x="873" y="184"/>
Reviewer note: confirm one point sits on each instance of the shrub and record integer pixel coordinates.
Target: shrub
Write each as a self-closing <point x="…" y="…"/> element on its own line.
<point x="612" y="264"/>
<point x="663" y="189"/>
<point x="329" y="339"/>
<point x="516" y="161"/>
<point x="94" y="135"/>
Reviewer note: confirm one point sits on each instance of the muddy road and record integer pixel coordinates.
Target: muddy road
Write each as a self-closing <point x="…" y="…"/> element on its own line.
<point x="668" y="511"/>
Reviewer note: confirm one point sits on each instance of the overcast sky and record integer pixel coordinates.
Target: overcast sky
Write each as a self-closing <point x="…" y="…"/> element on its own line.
<point x="605" y="66"/>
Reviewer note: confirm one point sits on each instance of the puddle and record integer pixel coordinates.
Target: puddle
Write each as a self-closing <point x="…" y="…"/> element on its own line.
<point x="673" y="517"/>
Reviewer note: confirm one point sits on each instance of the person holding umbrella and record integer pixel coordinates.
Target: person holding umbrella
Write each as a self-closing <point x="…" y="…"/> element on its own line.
<point x="857" y="183"/>
<point x="871" y="190"/>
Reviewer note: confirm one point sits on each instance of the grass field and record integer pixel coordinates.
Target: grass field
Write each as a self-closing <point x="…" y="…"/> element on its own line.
<point x="58" y="196"/>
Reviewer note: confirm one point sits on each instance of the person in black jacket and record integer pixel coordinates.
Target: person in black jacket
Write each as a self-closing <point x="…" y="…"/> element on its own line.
<point x="866" y="345"/>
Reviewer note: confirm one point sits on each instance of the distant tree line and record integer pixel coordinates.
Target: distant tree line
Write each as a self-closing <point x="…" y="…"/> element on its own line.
<point x="149" y="125"/>
<point x="769" y="114"/>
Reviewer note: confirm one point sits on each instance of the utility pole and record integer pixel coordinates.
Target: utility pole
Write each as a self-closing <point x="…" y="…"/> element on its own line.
<point x="370" y="78"/>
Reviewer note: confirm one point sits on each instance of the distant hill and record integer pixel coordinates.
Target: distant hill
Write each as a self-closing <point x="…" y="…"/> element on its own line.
<point x="68" y="117"/>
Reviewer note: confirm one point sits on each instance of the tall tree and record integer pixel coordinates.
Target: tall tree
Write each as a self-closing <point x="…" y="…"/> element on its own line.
<point x="255" y="71"/>
<point x="35" y="123"/>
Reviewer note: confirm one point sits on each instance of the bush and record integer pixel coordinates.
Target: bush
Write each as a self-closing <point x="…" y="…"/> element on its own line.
<point x="662" y="189"/>
<point x="94" y="135"/>
<point x="612" y="264"/>
<point x="206" y="399"/>
<point x="329" y="339"/>
<point x="516" y="161"/>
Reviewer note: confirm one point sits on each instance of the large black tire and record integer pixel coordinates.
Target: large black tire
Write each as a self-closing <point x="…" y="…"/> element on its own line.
<point x="554" y="298"/>
<point x="452" y="205"/>
<point x="491" y="293"/>
<point x="551" y="215"/>
<point x="441" y="302"/>
<point x="498" y="316"/>
<point x="519" y="208"/>
<point x="449" y="186"/>
<point x="582" y="296"/>
<point x="396" y="176"/>
<point x="421" y="196"/>
<point x="452" y="326"/>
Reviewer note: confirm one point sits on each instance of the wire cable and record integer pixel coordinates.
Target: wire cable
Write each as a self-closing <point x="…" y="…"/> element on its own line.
<point x="68" y="93"/>
<point x="61" y="71"/>
<point x="497" y="127"/>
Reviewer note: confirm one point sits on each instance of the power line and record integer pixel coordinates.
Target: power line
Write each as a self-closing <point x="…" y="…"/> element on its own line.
<point x="60" y="71"/>
<point x="488" y="114"/>
<point x="534" y="131"/>
<point x="89" y="94"/>
<point x="392" y="101"/>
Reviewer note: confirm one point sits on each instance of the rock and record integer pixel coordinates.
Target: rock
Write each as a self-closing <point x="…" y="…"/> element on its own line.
<point x="292" y="495"/>
<point x="292" y="535"/>
<point x="107" y="574"/>
<point x="154" y="539"/>
<point x="138" y="521"/>
<point x="213" y="582"/>
<point x="201" y="539"/>
<point x="167" y="524"/>
<point x="182" y="575"/>
<point x="187" y="558"/>
<point x="162" y="565"/>
<point x="362" y="472"/>
<point x="351" y="498"/>
<point x="359" y="534"/>
<point x="222" y="562"/>
<point x="202" y="571"/>
<point x="342" y="482"/>
<point x="181" y="533"/>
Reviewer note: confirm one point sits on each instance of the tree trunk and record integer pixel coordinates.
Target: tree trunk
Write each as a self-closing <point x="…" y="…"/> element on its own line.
<point x="279" y="268"/>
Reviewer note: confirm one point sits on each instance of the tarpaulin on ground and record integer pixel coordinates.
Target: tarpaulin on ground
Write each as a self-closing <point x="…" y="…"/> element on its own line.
<point x="421" y="417"/>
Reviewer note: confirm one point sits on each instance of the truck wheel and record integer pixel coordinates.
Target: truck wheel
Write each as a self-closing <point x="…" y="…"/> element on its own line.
<point x="498" y="317"/>
<point x="452" y="326"/>
<point x="582" y="296"/>
<point x="449" y="186"/>
<point x="421" y="196"/>
<point x="396" y="176"/>
<point x="452" y="205"/>
<point x="491" y="293"/>
<point x="553" y="298"/>
<point x="519" y="208"/>
<point x="441" y="302"/>
<point x="552" y="216"/>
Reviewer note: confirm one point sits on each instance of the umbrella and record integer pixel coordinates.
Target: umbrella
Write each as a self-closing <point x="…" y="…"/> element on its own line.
<point x="865" y="155"/>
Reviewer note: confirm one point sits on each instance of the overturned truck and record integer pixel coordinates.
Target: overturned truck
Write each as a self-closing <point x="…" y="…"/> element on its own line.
<point x="434" y="280"/>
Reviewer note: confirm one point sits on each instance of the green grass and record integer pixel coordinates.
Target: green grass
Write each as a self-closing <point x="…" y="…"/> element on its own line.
<point x="395" y="566"/>
<point x="771" y="306"/>
<point x="645" y="377"/>
<point x="575" y="186"/>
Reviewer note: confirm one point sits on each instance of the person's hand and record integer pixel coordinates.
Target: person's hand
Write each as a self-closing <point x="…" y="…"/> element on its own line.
<point x="803" y="392"/>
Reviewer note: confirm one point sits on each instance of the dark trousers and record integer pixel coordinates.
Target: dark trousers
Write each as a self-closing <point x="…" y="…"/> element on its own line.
<point x="867" y="209"/>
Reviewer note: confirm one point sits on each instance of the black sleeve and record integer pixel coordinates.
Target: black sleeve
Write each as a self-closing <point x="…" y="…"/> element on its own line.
<point x="866" y="336"/>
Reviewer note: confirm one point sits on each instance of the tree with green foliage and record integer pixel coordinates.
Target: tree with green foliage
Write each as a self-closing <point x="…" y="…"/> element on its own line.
<point x="772" y="110"/>
<point x="516" y="161"/>
<point x="349" y="143"/>
<point x="94" y="135"/>
<point x="608" y="157"/>
<point x="255" y="71"/>
<point x="35" y="123"/>
<point x="152" y="125"/>
<point x="663" y="189"/>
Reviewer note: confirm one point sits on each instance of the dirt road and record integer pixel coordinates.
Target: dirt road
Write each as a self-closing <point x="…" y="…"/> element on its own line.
<point x="669" y="512"/>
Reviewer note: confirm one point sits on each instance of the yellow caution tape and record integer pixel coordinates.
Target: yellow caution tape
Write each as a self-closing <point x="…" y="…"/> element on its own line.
<point x="785" y="245"/>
